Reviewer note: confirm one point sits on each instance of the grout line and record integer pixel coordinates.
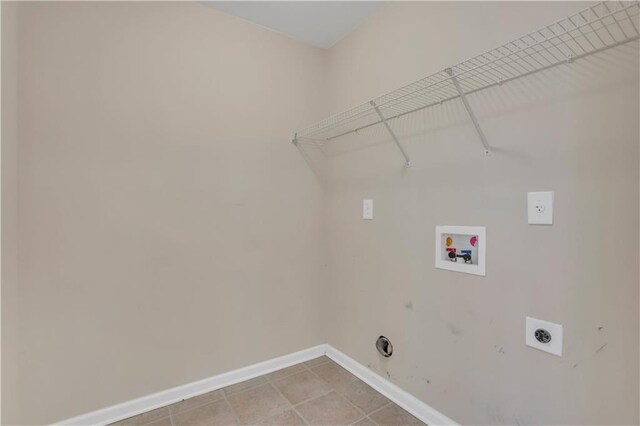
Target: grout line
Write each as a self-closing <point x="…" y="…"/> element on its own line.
<point x="245" y="389"/>
<point x="282" y="395"/>
<point x="300" y="415"/>
<point x="319" y="377"/>
<point x="322" y="363"/>
<point x="353" y="405"/>
<point x="274" y="379"/>
<point x="364" y="415"/>
<point x="371" y="420"/>
<point x="293" y="407"/>
<point x="306" y="400"/>
<point x="233" y="411"/>
<point x="313" y="398"/>
<point x="359" y="419"/>
<point x="381" y="408"/>
<point x="355" y="379"/>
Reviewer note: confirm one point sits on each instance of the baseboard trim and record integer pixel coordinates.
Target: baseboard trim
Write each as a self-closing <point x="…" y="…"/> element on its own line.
<point x="404" y="399"/>
<point x="150" y="402"/>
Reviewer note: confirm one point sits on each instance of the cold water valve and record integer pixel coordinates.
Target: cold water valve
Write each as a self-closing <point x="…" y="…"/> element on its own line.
<point x="453" y="256"/>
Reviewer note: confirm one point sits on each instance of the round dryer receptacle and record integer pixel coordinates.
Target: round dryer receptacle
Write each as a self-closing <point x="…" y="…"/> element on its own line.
<point x="542" y="335"/>
<point x="384" y="346"/>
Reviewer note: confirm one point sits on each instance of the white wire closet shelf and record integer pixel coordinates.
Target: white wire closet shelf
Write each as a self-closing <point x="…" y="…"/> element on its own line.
<point x="592" y="30"/>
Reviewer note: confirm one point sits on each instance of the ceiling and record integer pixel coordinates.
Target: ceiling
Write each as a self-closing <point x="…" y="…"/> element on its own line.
<point x="318" y="23"/>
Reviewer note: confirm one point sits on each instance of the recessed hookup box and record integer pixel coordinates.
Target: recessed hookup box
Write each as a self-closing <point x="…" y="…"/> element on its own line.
<point x="461" y="249"/>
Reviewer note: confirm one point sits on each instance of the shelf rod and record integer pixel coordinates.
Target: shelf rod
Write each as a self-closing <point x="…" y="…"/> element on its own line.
<point x="472" y="115"/>
<point x="393" y="135"/>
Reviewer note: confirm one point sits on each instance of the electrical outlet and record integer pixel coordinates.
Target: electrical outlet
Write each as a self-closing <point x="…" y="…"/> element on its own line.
<point x="367" y="209"/>
<point x="540" y="208"/>
<point x="544" y="335"/>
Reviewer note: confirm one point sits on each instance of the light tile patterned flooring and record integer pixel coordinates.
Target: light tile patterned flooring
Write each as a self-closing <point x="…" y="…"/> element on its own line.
<point x="316" y="392"/>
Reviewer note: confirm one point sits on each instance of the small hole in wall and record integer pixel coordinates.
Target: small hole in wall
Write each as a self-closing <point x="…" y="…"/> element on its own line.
<point x="384" y="346"/>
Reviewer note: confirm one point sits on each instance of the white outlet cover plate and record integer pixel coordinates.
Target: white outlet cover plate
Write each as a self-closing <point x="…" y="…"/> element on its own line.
<point x="540" y="208"/>
<point x="367" y="209"/>
<point x="554" y="346"/>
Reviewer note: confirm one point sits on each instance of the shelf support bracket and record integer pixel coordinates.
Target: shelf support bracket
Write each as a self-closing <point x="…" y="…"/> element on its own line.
<point x="472" y="115"/>
<point x="393" y="135"/>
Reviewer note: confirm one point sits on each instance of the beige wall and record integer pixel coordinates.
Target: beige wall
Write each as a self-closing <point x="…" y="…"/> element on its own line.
<point x="459" y="338"/>
<point x="167" y="229"/>
<point x="9" y="208"/>
<point x="168" y="232"/>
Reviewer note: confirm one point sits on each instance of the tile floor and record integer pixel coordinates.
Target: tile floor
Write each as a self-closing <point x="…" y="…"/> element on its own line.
<point x="316" y="392"/>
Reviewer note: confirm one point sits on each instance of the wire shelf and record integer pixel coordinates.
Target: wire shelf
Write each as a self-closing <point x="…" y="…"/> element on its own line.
<point x="602" y="26"/>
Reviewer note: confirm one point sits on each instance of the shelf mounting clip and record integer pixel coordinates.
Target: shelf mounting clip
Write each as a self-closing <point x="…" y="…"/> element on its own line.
<point x="472" y="115"/>
<point x="393" y="135"/>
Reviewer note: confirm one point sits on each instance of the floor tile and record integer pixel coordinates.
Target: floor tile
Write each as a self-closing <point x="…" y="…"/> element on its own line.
<point x="289" y="417"/>
<point x="330" y="409"/>
<point x="298" y="368"/>
<point x="258" y="403"/>
<point x="323" y="392"/>
<point x="196" y="401"/>
<point x="247" y="384"/>
<point x="145" y="418"/>
<point x="162" y="422"/>
<point x="333" y="374"/>
<point x="302" y="386"/>
<point x="394" y="415"/>
<point x="215" y="413"/>
<point x="317" y="361"/>
<point x="363" y="396"/>
<point x="365" y="422"/>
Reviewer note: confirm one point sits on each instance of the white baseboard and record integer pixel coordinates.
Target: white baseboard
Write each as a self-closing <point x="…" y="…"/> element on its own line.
<point x="404" y="399"/>
<point x="150" y="402"/>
